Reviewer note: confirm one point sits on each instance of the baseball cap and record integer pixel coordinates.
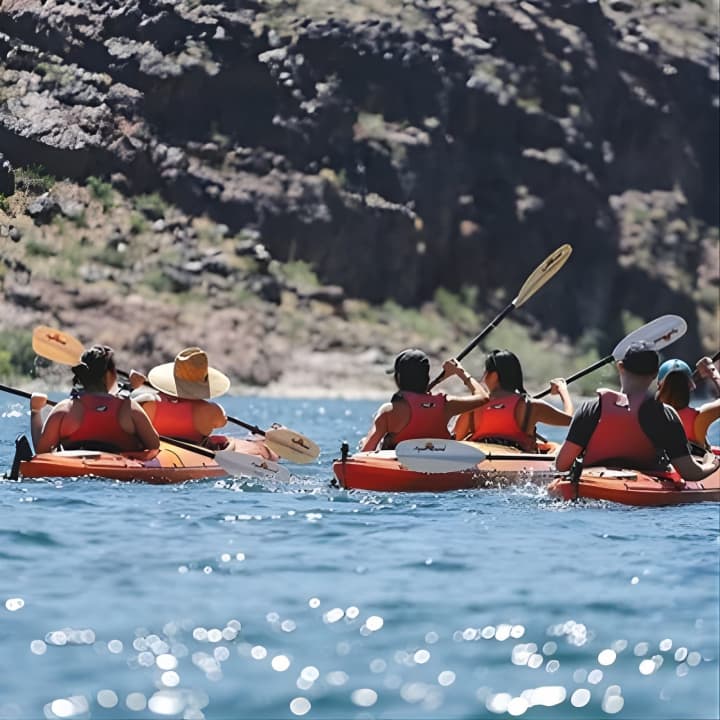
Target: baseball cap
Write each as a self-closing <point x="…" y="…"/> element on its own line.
<point x="641" y="358"/>
<point x="410" y="360"/>
<point x="674" y="365"/>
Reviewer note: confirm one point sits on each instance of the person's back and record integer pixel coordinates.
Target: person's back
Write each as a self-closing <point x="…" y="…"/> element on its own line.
<point x="511" y="416"/>
<point x="93" y="417"/>
<point x="631" y="427"/>
<point x="413" y="412"/>
<point x="181" y="407"/>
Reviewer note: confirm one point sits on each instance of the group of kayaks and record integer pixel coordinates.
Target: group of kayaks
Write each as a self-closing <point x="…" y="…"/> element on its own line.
<point x="382" y="471"/>
<point x="499" y="466"/>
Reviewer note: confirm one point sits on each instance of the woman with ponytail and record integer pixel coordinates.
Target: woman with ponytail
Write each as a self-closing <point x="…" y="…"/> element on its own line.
<point x="92" y="418"/>
<point x="510" y="417"/>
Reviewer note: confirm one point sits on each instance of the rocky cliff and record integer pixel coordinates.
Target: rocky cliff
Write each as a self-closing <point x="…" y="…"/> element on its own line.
<point x="389" y="148"/>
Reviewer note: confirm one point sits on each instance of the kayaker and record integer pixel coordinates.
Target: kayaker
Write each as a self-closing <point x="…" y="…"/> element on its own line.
<point x="511" y="415"/>
<point x="92" y="418"/>
<point x="413" y="412"/>
<point x="632" y="428"/>
<point x="181" y="407"/>
<point x="675" y="384"/>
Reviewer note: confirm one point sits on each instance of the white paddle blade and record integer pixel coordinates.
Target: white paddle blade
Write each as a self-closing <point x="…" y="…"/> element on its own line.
<point x="430" y="455"/>
<point x="55" y="345"/>
<point x="542" y="273"/>
<point x="240" y="464"/>
<point x="658" y="333"/>
<point x="291" y="445"/>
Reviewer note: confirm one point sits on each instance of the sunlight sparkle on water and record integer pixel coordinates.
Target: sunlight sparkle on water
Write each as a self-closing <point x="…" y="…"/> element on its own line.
<point x="581" y="697"/>
<point x="606" y="657"/>
<point x="364" y="697"/>
<point x="166" y="702"/>
<point x="107" y="698"/>
<point x="280" y="663"/>
<point x="300" y="706"/>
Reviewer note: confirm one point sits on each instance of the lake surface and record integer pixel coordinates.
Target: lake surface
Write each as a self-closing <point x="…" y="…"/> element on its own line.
<point x="240" y="599"/>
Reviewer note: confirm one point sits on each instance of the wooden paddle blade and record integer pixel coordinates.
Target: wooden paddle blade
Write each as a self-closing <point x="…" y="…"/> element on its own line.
<point x="56" y="345"/>
<point x="542" y="273"/>
<point x="430" y="455"/>
<point x="658" y="333"/>
<point x="291" y="445"/>
<point x="242" y="465"/>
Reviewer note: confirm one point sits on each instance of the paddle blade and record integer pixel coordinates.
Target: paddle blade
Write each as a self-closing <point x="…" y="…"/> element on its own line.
<point x="242" y="465"/>
<point x="658" y="333"/>
<point x="430" y="455"/>
<point x="291" y="445"/>
<point x="56" y="345"/>
<point x="542" y="273"/>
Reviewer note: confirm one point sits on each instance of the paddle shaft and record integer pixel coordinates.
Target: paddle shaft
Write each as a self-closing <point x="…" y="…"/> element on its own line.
<point x="172" y="441"/>
<point x="579" y="374"/>
<point x="252" y="428"/>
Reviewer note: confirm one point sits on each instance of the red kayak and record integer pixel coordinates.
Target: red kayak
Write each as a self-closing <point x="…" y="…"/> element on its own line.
<point x="381" y="471"/>
<point x="633" y="487"/>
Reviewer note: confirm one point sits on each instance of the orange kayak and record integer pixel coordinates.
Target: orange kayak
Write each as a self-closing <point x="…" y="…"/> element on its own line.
<point x="632" y="487"/>
<point x="171" y="464"/>
<point x="381" y="471"/>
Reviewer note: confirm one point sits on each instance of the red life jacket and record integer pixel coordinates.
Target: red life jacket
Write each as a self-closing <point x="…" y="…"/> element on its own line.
<point x="174" y="418"/>
<point x="496" y="421"/>
<point x="688" y="416"/>
<point x="618" y="435"/>
<point x="427" y="418"/>
<point x="100" y="427"/>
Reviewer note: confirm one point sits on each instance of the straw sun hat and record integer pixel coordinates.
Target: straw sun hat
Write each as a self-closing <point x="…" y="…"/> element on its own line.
<point x="189" y="376"/>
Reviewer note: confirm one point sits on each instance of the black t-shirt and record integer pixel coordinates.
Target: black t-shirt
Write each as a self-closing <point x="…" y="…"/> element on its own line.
<point x="659" y="422"/>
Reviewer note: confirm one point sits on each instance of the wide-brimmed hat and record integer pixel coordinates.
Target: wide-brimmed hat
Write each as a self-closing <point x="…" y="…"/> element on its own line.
<point x="189" y="376"/>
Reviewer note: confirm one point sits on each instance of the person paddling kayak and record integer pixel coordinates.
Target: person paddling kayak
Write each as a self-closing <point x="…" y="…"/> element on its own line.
<point x="179" y="406"/>
<point x="413" y="412"/>
<point x="92" y="418"/>
<point x="675" y="384"/>
<point x="632" y="428"/>
<point x="511" y="416"/>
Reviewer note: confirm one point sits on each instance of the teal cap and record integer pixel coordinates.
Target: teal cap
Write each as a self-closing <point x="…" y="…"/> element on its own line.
<point x="671" y="366"/>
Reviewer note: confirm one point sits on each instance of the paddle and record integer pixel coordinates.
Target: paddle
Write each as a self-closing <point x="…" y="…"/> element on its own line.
<point x="65" y="349"/>
<point x="234" y="463"/>
<point x="658" y="333"/>
<point x="430" y="455"/>
<point x="539" y="276"/>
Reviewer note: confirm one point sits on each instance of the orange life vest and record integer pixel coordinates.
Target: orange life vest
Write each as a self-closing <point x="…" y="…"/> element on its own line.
<point x="427" y="418"/>
<point x="173" y="417"/>
<point x="688" y="416"/>
<point x="496" y="421"/>
<point x="618" y="435"/>
<point x="100" y="427"/>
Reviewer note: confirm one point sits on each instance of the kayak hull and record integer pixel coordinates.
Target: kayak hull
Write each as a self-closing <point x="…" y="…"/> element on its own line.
<point x="632" y="487"/>
<point x="170" y="465"/>
<point x="380" y="471"/>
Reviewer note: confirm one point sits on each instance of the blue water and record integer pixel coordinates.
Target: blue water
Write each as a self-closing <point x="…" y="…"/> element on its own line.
<point x="238" y="599"/>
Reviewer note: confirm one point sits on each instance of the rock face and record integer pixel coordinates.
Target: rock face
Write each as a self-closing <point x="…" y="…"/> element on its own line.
<point x="449" y="144"/>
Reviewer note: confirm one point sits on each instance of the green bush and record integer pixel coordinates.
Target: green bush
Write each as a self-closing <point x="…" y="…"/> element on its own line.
<point x="34" y="178"/>
<point x="17" y="358"/>
<point x="102" y="191"/>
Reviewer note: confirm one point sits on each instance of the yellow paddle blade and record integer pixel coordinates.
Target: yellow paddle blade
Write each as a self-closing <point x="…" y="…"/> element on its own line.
<point x="56" y="345"/>
<point x="291" y="445"/>
<point x="542" y="273"/>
